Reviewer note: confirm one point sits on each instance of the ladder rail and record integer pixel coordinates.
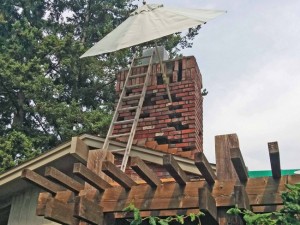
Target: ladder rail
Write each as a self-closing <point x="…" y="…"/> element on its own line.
<point x="116" y="113"/>
<point x="137" y="116"/>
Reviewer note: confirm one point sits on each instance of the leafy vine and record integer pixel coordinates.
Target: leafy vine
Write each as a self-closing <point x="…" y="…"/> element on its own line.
<point x="154" y="220"/>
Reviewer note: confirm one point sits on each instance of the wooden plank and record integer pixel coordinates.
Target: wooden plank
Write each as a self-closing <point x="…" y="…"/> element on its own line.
<point x="207" y="205"/>
<point x="88" y="211"/>
<point x="174" y="169"/>
<point x="60" y="212"/>
<point x="63" y="179"/>
<point x="204" y="167"/>
<point x="79" y="149"/>
<point x="241" y="197"/>
<point x="144" y="172"/>
<point x="117" y="175"/>
<point x="172" y="196"/>
<point x="90" y="177"/>
<point x="274" y="159"/>
<point x="239" y="165"/>
<point x="266" y="209"/>
<point x="41" y="181"/>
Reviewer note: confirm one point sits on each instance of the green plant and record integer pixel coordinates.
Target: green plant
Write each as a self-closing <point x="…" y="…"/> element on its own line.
<point x="288" y="215"/>
<point x="154" y="220"/>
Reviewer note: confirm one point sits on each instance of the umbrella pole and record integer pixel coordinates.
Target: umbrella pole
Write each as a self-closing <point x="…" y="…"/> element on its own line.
<point x="165" y="79"/>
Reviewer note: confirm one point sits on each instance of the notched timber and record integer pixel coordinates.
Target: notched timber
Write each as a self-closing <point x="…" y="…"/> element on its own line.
<point x="63" y="179"/>
<point x="239" y="164"/>
<point x="144" y="172"/>
<point x="274" y="159"/>
<point x="241" y="197"/>
<point x="207" y="205"/>
<point x="60" y="212"/>
<point x="204" y="167"/>
<point x="41" y="204"/>
<point x="88" y="211"/>
<point x="41" y="181"/>
<point x="90" y="177"/>
<point x="175" y="170"/>
<point x="117" y="175"/>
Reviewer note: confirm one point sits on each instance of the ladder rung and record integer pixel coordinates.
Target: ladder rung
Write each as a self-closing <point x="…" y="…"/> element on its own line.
<point x="118" y="150"/>
<point x="134" y="86"/>
<point x="131" y="97"/>
<point x="138" y="75"/>
<point x="143" y="57"/>
<point x="123" y="121"/>
<point x="119" y="135"/>
<point x="128" y="109"/>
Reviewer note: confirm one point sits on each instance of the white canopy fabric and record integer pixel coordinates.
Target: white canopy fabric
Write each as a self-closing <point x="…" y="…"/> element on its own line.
<point x="150" y="22"/>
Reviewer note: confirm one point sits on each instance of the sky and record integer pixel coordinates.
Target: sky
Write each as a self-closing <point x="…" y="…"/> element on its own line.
<point x="249" y="59"/>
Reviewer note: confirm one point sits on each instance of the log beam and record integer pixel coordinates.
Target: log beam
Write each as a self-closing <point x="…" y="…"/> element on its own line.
<point x="207" y="205"/>
<point x="90" y="177"/>
<point x="41" y="181"/>
<point x="63" y="179"/>
<point x="117" y="175"/>
<point x="88" y="211"/>
<point x="204" y="167"/>
<point x="239" y="164"/>
<point x="144" y="172"/>
<point x="274" y="159"/>
<point x="175" y="170"/>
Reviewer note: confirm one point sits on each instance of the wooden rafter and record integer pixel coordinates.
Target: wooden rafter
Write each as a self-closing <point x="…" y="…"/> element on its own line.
<point x="207" y="205"/>
<point x="90" y="177"/>
<point x="274" y="159"/>
<point x="205" y="168"/>
<point x="175" y="170"/>
<point x="144" y="172"/>
<point x="238" y="164"/>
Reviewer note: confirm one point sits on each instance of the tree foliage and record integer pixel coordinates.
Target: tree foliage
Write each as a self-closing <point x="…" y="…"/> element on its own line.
<point x="288" y="215"/>
<point x="48" y="94"/>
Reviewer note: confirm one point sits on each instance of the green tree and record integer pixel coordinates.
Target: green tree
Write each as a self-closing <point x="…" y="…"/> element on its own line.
<point x="288" y="215"/>
<point x="46" y="92"/>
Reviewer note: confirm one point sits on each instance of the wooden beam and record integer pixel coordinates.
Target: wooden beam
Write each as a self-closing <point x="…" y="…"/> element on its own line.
<point x="175" y="170"/>
<point x="63" y="179"/>
<point x="204" y="167"/>
<point x="144" y="172"/>
<point x="42" y="201"/>
<point x="172" y="196"/>
<point x="274" y="159"/>
<point x="88" y="211"/>
<point x="90" y="177"/>
<point x="207" y="205"/>
<point x="238" y="164"/>
<point x="41" y="181"/>
<point x="117" y="175"/>
<point x="60" y="212"/>
<point x="241" y="197"/>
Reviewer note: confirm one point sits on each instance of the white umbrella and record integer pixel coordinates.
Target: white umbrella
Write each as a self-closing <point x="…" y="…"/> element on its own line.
<point x="150" y="22"/>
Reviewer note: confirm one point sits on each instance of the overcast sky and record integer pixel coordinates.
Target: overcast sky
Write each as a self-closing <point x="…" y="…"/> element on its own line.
<point x="250" y="62"/>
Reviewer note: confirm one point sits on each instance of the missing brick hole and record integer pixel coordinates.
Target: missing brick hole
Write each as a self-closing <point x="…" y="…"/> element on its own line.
<point x="185" y="149"/>
<point x="120" y="118"/>
<point x="147" y="100"/>
<point x="144" y="115"/>
<point x="180" y="71"/>
<point x="175" y="115"/>
<point x="175" y="141"/>
<point x="161" y="140"/>
<point x="159" y="79"/>
<point x="176" y="99"/>
<point x="174" y="107"/>
<point x="178" y="125"/>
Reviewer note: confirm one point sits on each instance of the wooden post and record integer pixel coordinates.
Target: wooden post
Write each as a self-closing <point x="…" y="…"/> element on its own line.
<point x="226" y="172"/>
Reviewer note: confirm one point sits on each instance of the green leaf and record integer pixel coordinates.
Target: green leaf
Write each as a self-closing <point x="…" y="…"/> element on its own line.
<point x="180" y="219"/>
<point x="192" y="216"/>
<point x="152" y="220"/>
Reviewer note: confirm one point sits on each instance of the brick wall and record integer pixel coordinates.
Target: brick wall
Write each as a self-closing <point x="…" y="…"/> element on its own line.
<point x="176" y="127"/>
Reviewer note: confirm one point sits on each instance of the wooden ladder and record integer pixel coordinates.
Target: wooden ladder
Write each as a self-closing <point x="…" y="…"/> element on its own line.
<point x="137" y="108"/>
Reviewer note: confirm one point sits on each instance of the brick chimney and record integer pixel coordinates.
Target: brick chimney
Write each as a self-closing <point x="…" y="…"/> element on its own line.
<point x="172" y="127"/>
